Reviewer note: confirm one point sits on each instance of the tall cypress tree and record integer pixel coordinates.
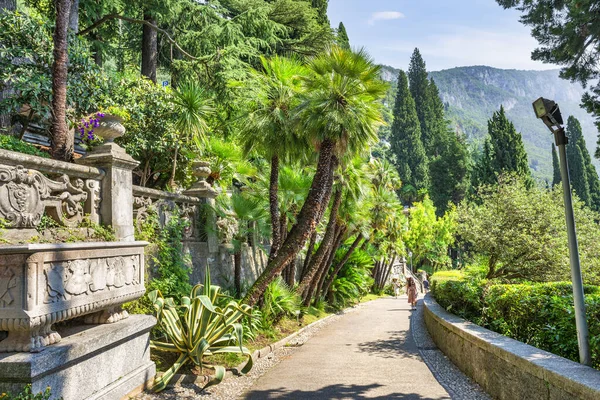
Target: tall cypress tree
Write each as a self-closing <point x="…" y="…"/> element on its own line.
<point x="584" y="178"/>
<point x="405" y="139"/>
<point x="419" y="87"/>
<point x="448" y="172"/>
<point x="321" y="7"/>
<point x="556" y="178"/>
<point x="504" y="153"/>
<point x="342" y="37"/>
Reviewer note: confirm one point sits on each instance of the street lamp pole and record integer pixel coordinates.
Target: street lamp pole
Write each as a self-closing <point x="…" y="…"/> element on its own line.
<point x="549" y="112"/>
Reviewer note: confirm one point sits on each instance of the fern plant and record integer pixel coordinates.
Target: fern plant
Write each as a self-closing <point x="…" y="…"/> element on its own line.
<point x="198" y="328"/>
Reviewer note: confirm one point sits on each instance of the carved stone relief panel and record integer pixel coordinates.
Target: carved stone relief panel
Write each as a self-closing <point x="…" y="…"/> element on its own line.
<point x="68" y="279"/>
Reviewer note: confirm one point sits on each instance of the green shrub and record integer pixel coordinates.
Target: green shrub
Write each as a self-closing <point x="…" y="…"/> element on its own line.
<point x="8" y="142"/>
<point x="27" y="394"/>
<point x="441" y="276"/>
<point x="279" y="301"/>
<point x="461" y="297"/>
<point x="539" y="314"/>
<point x="354" y="280"/>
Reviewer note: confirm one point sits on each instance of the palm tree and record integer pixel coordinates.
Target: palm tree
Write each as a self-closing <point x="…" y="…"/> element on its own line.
<point x="270" y="126"/>
<point x="340" y="112"/>
<point x="193" y="107"/>
<point x="248" y="212"/>
<point x="62" y="141"/>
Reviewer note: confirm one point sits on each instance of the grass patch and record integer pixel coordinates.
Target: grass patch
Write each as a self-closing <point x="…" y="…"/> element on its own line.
<point x="443" y="276"/>
<point x="372" y="296"/>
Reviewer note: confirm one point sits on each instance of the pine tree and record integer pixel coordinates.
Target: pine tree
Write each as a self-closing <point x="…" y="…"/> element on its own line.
<point x="342" y="37"/>
<point x="435" y="122"/>
<point x="411" y="160"/>
<point x="556" y="178"/>
<point x="503" y="152"/>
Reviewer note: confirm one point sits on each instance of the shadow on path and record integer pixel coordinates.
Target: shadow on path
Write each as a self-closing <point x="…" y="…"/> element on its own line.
<point x="398" y="345"/>
<point x="333" y="392"/>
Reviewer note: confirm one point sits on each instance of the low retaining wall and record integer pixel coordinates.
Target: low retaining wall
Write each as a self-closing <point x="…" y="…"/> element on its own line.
<point x="504" y="367"/>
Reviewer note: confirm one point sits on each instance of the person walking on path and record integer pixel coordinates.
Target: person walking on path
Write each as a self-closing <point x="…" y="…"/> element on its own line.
<point x="426" y="285"/>
<point x="396" y="287"/>
<point x="411" y="291"/>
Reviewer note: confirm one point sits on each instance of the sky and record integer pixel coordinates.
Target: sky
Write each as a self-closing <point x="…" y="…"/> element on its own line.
<point x="449" y="33"/>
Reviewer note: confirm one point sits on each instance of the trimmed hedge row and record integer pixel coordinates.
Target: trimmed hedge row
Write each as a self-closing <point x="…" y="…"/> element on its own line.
<point x="540" y="314"/>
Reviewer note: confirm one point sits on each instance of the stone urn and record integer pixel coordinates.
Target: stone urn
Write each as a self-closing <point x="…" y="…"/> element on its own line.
<point x="111" y="127"/>
<point x="201" y="188"/>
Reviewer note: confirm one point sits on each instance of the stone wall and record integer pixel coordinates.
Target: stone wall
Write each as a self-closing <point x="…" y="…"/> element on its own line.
<point x="508" y="369"/>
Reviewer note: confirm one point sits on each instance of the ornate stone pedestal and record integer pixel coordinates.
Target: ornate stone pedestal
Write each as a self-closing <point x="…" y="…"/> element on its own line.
<point x="91" y="362"/>
<point x="41" y="284"/>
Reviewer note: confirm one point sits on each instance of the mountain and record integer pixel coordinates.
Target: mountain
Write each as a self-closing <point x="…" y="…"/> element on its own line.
<point x="472" y="94"/>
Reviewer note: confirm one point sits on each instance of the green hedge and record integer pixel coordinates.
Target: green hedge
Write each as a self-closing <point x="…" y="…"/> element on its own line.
<point x="12" y="143"/>
<point x="540" y="314"/>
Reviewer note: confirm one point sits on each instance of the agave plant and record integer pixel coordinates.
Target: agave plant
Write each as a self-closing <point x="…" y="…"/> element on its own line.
<point x="199" y="328"/>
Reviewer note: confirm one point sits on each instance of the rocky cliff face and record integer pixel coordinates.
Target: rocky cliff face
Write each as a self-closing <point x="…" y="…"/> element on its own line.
<point x="472" y="94"/>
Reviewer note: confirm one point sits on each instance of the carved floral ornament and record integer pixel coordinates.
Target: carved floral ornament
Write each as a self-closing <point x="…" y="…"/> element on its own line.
<point x="143" y="206"/>
<point x="25" y="194"/>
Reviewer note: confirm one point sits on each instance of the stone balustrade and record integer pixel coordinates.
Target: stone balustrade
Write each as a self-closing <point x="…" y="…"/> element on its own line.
<point x="32" y="186"/>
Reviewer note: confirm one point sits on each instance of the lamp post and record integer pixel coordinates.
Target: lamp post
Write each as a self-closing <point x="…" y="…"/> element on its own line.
<point x="549" y="113"/>
<point x="410" y="256"/>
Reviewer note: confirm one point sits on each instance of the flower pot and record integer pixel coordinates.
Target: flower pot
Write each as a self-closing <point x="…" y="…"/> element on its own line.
<point x="111" y="127"/>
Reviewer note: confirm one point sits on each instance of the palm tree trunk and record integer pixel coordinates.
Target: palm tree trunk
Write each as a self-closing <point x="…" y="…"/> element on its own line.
<point x="309" y="253"/>
<point x="274" y="207"/>
<point x="149" y="49"/>
<point x="310" y="290"/>
<point x="325" y="244"/>
<point x="332" y="252"/>
<point x="62" y="141"/>
<point x="388" y="270"/>
<point x="237" y="272"/>
<point x="74" y="16"/>
<point x="172" y="180"/>
<point x="5" y="89"/>
<point x="304" y="226"/>
<point x="344" y="260"/>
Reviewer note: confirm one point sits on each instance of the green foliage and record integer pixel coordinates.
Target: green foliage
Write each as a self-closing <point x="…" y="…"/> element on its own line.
<point x="28" y="37"/>
<point x="451" y="275"/>
<point x="522" y="232"/>
<point x="9" y="142"/>
<point x="354" y="280"/>
<point x="419" y="87"/>
<point x="199" y="328"/>
<point x="151" y="128"/>
<point x="170" y="266"/>
<point x="583" y="175"/>
<point x="405" y="139"/>
<point x="429" y="236"/>
<point x="27" y="394"/>
<point x="503" y="153"/>
<point x="506" y="309"/>
<point x="279" y="300"/>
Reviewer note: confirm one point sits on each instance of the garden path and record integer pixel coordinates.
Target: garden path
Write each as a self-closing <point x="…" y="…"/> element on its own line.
<point x="380" y="351"/>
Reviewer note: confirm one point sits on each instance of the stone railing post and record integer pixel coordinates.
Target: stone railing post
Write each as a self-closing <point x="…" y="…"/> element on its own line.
<point x="116" y="187"/>
<point x="204" y="190"/>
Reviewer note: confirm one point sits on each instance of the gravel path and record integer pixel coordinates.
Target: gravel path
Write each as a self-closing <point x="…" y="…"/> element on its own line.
<point x="379" y="350"/>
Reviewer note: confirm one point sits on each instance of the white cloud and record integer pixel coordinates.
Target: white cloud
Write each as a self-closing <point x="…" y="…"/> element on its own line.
<point x="384" y="16"/>
<point x="463" y="46"/>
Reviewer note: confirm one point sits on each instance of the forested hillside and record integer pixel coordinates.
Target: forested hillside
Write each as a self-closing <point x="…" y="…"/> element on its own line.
<point x="472" y="94"/>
